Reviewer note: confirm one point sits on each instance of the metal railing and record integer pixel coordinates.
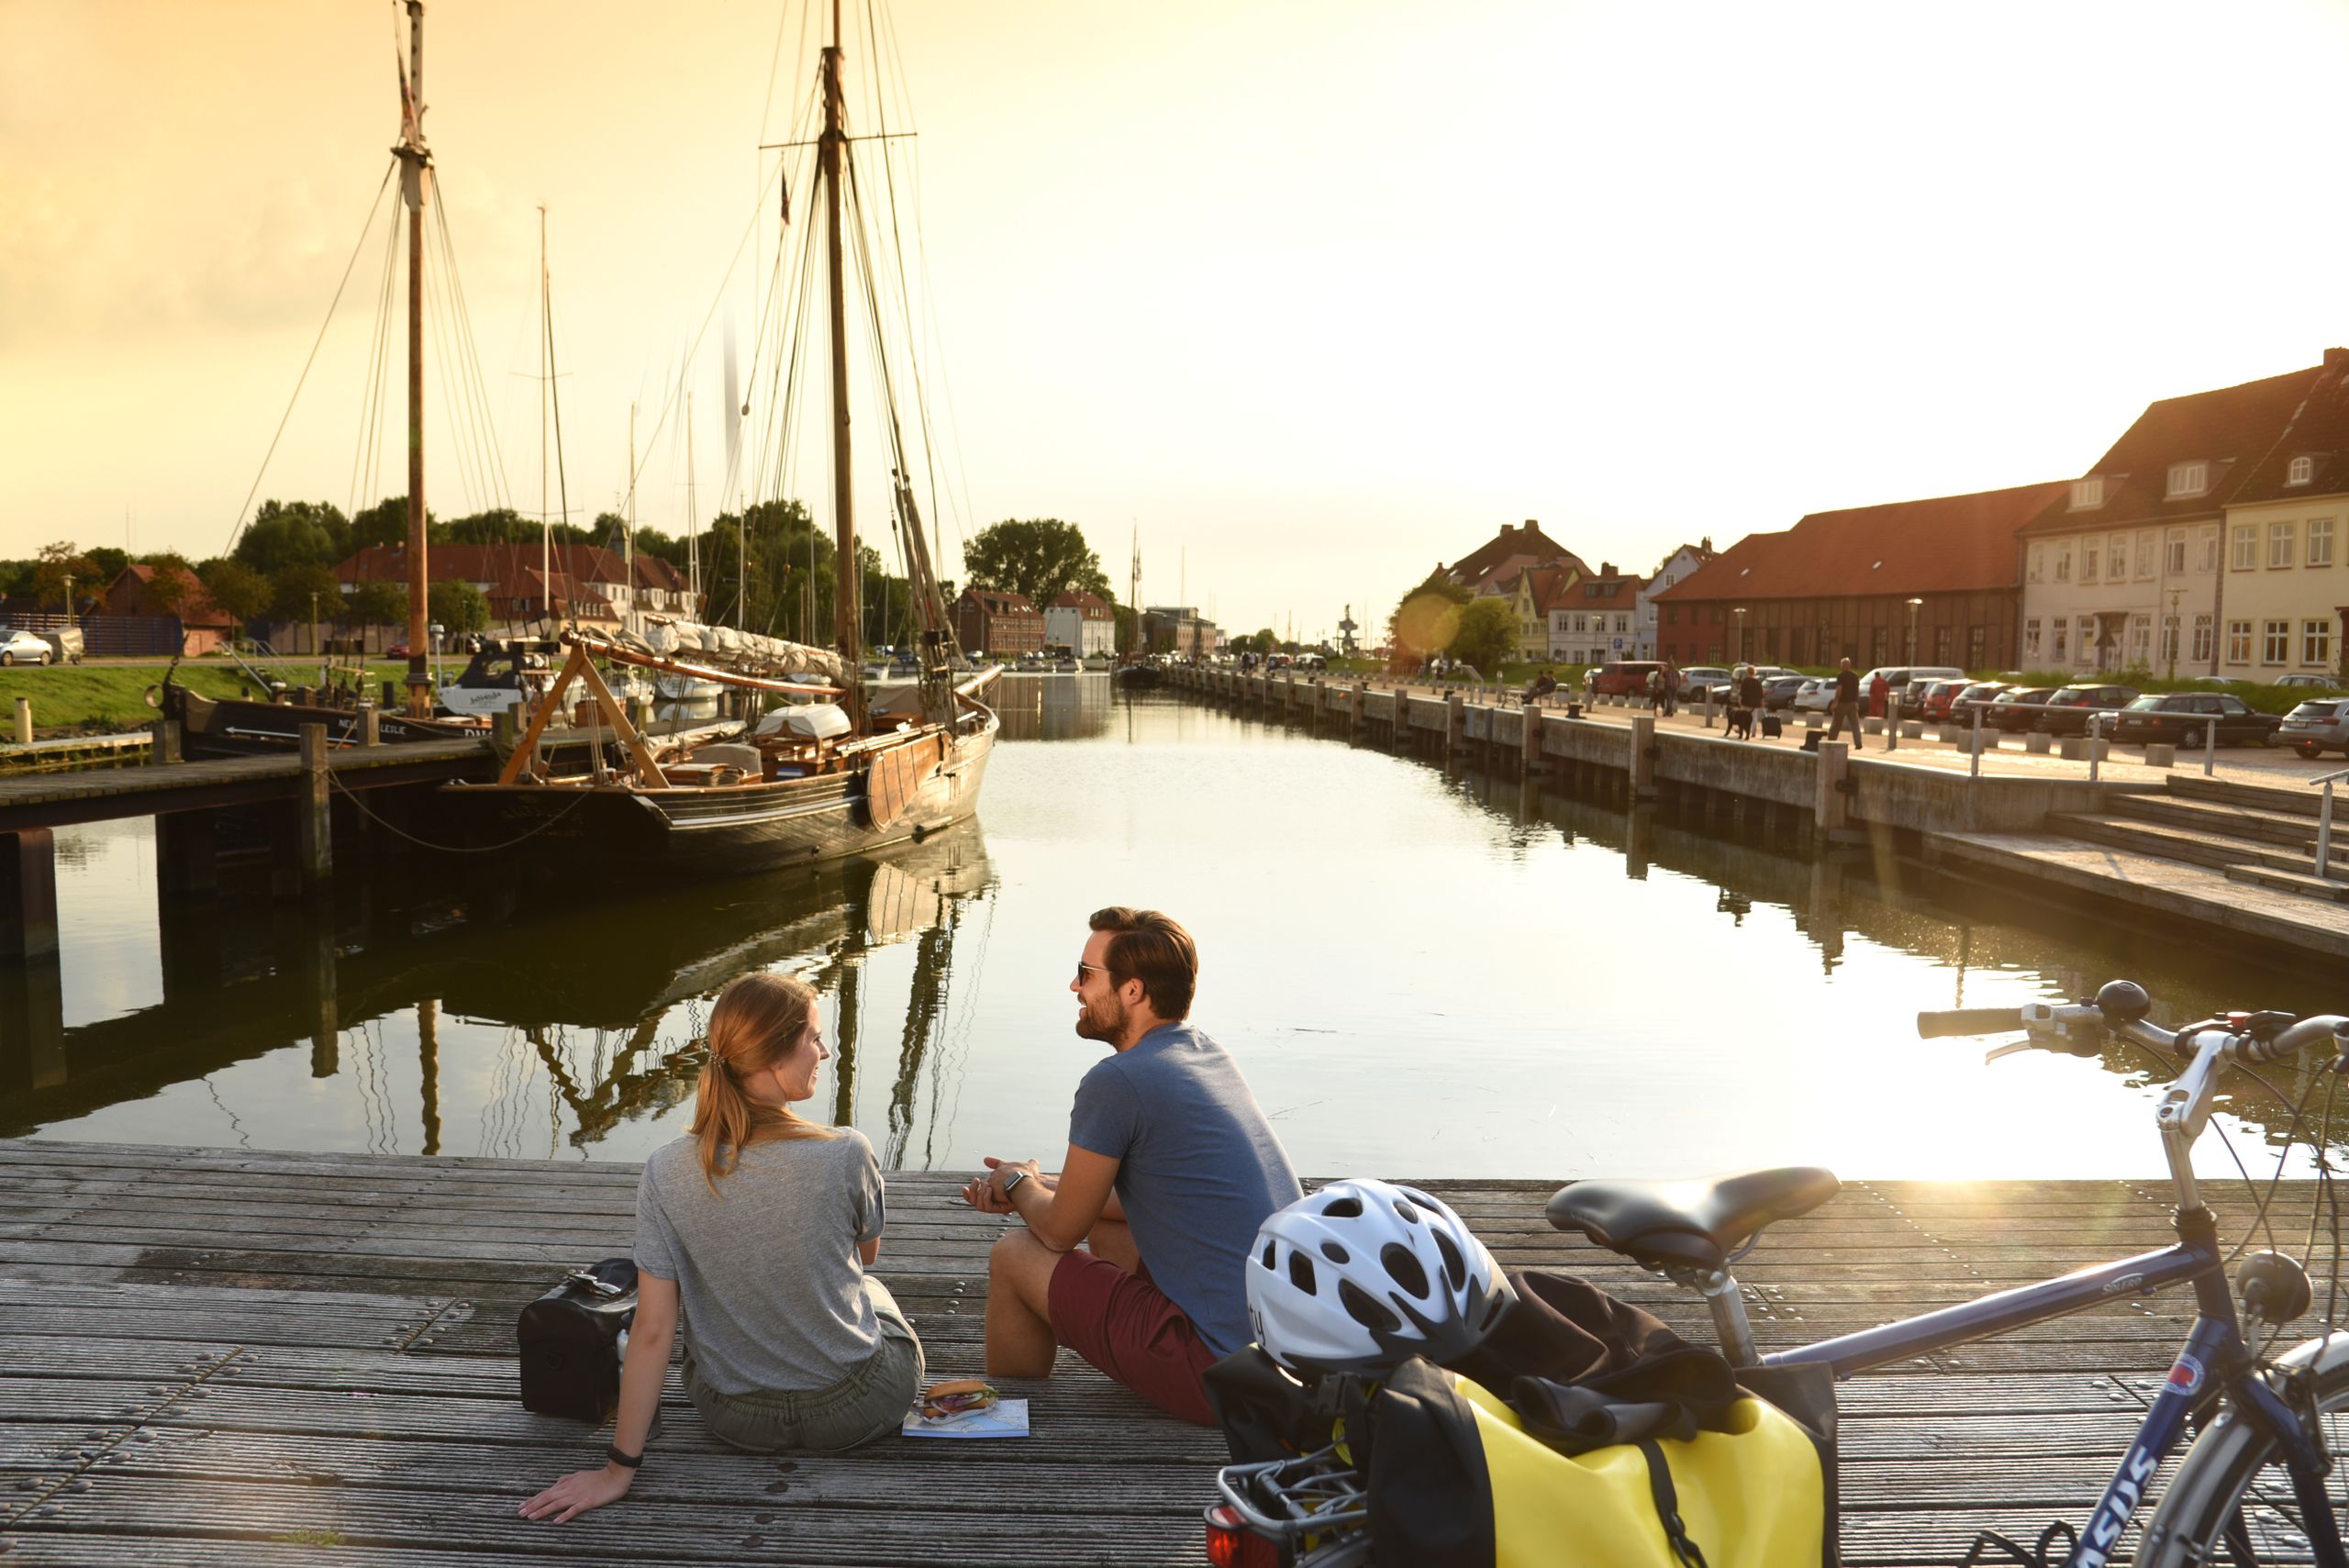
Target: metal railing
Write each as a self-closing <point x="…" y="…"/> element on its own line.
<point x="2325" y="823"/>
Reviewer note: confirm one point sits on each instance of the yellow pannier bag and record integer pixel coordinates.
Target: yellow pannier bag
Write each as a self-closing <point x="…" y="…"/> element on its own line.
<point x="1752" y="1497"/>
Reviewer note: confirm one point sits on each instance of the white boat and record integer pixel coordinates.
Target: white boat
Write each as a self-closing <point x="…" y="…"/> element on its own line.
<point x="499" y="677"/>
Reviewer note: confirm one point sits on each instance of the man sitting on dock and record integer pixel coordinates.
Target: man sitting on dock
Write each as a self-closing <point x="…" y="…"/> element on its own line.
<point x="1171" y="1168"/>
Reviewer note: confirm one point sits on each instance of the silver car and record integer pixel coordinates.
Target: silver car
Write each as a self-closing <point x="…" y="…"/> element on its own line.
<point x="22" y="647"/>
<point x="2317" y="726"/>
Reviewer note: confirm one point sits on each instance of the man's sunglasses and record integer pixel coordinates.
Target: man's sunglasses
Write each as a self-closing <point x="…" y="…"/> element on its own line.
<point x="1082" y="967"/>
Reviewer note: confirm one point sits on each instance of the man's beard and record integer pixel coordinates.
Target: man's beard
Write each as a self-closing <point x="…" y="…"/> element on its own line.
<point x="1106" y="1025"/>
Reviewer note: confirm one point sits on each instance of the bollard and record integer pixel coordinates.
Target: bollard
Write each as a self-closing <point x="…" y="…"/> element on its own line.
<point x="1530" y="739"/>
<point x="313" y="816"/>
<point x="1644" y="756"/>
<point x="24" y="721"/>
<point x="502" y="728"/>
<point x="1355" y="723"/>
<point x="371" y="724"/>
<point x="1455" y="724"/>
<point x="1709" y="708"/>
<point x="1828" y="809"/>
<point x="164" y="749"/>
<point x="2161" y="754"/>
<point x="2037" y="741"/>
<point x="1892" y="725"/>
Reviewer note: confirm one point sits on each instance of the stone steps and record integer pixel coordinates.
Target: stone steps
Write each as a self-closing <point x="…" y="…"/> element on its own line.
<point x="2283" y="802"/>
<point x="2220" y="818"/>
<point x="2194" y="846"/>
<point x="2302" y="882"/>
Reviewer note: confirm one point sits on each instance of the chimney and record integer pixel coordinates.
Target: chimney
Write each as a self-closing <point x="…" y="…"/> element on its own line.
<point x="1508" y="528"/>
<point x="1606" y="569"/>
<point x="2336" y="358"/>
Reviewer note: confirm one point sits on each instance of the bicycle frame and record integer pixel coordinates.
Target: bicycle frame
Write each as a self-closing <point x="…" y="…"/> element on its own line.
<point x="2214" y="1362"/>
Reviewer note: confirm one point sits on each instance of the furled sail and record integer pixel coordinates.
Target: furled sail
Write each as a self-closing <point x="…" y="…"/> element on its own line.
<point x="743" y="653"/>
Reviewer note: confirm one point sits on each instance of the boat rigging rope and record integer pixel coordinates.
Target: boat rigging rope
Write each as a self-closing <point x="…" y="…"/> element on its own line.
<point x="391" y="827"/>
<point x="239" y="525"/>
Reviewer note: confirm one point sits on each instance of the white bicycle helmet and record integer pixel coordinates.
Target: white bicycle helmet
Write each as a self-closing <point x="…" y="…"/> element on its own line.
<point x="1364" y="1273"/>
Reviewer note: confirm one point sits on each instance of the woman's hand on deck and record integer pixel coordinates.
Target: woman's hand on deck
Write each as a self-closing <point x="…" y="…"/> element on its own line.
<point x="577" y="1493"/>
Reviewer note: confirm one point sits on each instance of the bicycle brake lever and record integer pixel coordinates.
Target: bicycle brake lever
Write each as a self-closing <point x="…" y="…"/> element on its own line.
<point x="1996" y="1052"/>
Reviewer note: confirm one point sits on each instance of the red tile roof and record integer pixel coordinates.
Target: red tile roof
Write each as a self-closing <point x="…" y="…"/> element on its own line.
<point x="1949" y="544"/>
<point x="2319" y="432"/>
<point x="1512" y="548"/>
<point x="1092" y="604"/>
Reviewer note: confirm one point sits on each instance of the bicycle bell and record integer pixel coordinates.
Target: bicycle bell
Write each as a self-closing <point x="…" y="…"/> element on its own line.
<point x="2275" y="1289"/>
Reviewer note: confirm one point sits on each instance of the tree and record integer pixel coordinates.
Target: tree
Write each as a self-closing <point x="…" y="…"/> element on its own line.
<point x="173" y="581"/>
<point x="1486" y="634"/>
<point x="378" y="604"/>
<point x="294" y="533"/>
<point x="56" y="564"/>
<point x="239" y="590"/>
<point x="1427" y="620"/>
<point x="298" y="591"/>
<point x="1040" y="557"/>
<point x="457" y="608"/>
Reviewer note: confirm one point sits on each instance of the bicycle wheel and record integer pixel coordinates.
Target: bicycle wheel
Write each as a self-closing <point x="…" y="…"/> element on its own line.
<point x="2232" y="1501"/>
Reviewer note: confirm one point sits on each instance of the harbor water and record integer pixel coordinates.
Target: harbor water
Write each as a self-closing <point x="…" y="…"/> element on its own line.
<point x="1422" y="973"/>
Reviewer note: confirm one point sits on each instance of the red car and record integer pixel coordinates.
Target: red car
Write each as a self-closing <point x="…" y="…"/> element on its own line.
<point x="1623" y="678"/>
<point x="397" y="651"/>
<point x="1941" y="697"/>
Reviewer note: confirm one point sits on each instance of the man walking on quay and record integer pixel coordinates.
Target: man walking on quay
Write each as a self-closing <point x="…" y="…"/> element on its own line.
<point x="1171" y="1168"/>
<point x="1845" y="708"/>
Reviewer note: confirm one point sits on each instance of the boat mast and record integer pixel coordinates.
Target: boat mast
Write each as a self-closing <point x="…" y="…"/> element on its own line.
<point x="693" y="518"/>
<point x="415" y="163"/>
<point x="829" y="152"/>
<point x="628" y="529"/>
<point x="546" y="525"/>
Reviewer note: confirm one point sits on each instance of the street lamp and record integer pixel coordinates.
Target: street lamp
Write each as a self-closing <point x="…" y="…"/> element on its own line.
<point x="1914" y="606"/>
<point x="1738" y="656"/>
<point x="2174" y="596"/>
<point x="439" y="675"/>
<point x="69" y="601"/>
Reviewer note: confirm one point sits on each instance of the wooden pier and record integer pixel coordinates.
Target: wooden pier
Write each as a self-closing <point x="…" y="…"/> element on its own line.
<point x="212" y="1357"/>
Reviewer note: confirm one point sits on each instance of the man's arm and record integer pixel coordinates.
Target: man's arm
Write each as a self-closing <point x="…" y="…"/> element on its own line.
<point x="1061" y="1214"/>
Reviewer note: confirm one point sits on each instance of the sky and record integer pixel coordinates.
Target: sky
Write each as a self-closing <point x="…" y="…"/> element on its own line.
<point x="1309" y="296"/>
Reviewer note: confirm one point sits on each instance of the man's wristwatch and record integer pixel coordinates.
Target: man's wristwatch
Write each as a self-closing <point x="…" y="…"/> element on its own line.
<point x="1012" y="1181"/>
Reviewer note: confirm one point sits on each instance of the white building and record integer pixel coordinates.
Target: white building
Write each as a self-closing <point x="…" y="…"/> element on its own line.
<point x="1083" y="622"/>
<point x="1676" y="566"/>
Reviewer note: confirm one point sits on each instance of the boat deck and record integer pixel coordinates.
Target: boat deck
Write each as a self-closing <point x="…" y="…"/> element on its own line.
<point x="212" y="1357"/>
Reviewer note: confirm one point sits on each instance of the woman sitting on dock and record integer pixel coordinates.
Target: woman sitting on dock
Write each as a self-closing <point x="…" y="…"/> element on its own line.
<point x="762" y="1225"/>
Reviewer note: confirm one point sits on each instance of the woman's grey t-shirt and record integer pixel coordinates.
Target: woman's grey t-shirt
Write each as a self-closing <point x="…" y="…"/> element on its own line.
<point x="766" y="1266"/>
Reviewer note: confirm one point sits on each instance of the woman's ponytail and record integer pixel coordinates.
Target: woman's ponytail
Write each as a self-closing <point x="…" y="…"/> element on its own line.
<point x="758" y="1019"/>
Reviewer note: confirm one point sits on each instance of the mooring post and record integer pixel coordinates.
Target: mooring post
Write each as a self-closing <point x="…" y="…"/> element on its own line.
<point x="1530" y="739"/>
<point x="1827" y="805"/>
<point x="1319" y="704"/>
<point x="186" y="854"/>
<point x="371" y="725"/>
<point x="24" y="721"/>
<point x="32" y="1022"/>
<point x="1353" y="727"/>
<point x="28" y="894"/>
<point x="313" y="814"/>
<point x="1455" y="724"/>
<point x="1643" y="775"/>
<point x="163" y="749"/>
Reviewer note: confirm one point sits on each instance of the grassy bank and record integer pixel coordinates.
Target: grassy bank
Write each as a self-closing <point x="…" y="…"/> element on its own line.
<point x="94" y="699"/>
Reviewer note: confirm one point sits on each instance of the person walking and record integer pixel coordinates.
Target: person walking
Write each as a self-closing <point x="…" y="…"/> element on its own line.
<point x="1749" y="697"/>
<point x="1671" y="674"/>
<point x="1845" y="708"/>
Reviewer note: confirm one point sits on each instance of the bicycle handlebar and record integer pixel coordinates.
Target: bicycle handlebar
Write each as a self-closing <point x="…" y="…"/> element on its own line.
<point x="1969" y="1020"/>
<point x="2123" y="1015"/>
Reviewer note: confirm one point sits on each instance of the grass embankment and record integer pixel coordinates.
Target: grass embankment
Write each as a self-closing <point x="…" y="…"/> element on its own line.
<point x="101" y="699"/>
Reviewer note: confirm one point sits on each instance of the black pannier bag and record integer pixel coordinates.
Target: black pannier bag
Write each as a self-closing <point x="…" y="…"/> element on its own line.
<point x="570" y="1341"/>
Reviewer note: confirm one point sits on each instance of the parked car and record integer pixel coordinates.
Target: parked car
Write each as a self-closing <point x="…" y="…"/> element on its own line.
<point x="2016" y="707"/>
<point x="1977" y="695"/>
<point x="2317" y="726"/>
<point x="1816" y="696"/>
<point x="2306" y="682"/>
<point x="1922" y="680"/>
<point x="18" y="646"/>
<point x="1778" y="692"/>
<point x="1622" y="678"/>
<point x="1938" y="697"/>
<point x="2068" y="707"/>
<point x="2185" y="717"/>
<point x="1699" y="679"/>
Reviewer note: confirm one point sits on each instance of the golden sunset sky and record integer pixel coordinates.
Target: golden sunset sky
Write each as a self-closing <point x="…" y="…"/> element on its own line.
<point x="1315" y="293"/>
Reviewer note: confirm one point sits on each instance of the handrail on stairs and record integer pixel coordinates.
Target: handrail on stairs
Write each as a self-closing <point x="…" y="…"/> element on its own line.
<point x="2325" y="822"/>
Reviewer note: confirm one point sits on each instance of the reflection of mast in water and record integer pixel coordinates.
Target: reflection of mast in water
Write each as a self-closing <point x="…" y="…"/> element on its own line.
<point x="428" y="1045"/>
<point x="925" y="1010"/>
<point x="844" y="1054"/>
<point x="621" y="1090"/>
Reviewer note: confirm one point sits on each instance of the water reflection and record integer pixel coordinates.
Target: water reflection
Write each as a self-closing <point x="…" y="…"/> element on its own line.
<point x="1055" y="706"/>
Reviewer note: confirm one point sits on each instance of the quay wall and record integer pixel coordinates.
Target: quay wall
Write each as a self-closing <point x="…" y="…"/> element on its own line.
<point x="1877" y="792"/>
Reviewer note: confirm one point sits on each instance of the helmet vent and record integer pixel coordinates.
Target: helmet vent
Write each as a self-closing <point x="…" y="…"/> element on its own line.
<point x="1409" y="1215"/>
<point x="1365" y="1309"/>
<point x="1270" y="1259"/>
<point x="1455" y="1267"/>
<point x="1334" y="1252"/>
<point x="1343" y="1208"/>
<point x="1300" y="1272"/>
<point x="1404" y="1269"/>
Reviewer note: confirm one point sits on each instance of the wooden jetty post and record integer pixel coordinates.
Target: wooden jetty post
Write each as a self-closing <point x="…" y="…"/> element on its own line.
<point x="1530" y="739"/>
<point x="1644" y="756"/>
<point x="1828" y="807"/>
<point x="186" y="854"/>
<point x="371" y="725"/>
<point x="24" y="721"/>
<point x="1455" y="725"/>
<point x="165" y="747"/>
<point x="1353" y="727"/>
<point x="312" y="812"/>
<point x="27" y="896"/>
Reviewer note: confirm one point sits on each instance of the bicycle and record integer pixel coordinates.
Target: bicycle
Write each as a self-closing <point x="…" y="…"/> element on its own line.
<point x="2253" y="1485"/>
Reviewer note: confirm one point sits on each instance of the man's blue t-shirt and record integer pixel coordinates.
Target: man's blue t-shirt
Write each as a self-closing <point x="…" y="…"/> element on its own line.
<point x="1199" y="1169"/>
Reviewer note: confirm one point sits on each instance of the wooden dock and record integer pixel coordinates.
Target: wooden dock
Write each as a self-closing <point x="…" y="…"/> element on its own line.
<point x="60" y="800"/>
<point x="211" y="1357"/>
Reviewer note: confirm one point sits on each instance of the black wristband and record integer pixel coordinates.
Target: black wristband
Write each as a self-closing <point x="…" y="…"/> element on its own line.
<point x="625" y="1460"/>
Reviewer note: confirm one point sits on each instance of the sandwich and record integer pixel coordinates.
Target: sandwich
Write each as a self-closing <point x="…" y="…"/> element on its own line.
<point x="957" y="1396"/>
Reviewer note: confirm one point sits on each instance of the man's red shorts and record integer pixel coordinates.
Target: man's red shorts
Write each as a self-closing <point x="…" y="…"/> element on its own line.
<point x="1124" y="1325"/>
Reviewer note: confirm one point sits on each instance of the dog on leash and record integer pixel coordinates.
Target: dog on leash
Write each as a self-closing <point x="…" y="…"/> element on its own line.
<point x="1741" y="723"/>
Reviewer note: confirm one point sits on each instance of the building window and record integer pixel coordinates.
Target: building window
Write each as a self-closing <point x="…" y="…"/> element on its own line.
<point x="2237" y="643"/>
<point x="1622" y="623"/>
<point x="1672" y="615"/>
<point x="2246" y="555"/>
<point x="2210" y="551"/>
<point x="2085" y="653"/>
<point x="2169" y="639"/>
<point x="2064" y="563"/>
<point x="2316" y="643"/>
<point x="2276" y="641"/>
<point x="2038" y="559"/>
<point x="2144" y="555"/>
<point x="2303" y="469"/>
<point x="1882" y="646"/>
<point x="2281" y="537"/>
<point x="2202" y="640"/>
<point x="2062" y="629"/>
<point x="1944" y="638"/>
<point x="2320" y="542"/>
<point x="1977" y="640"/>
<point x="2030" y="639"/>
<point x="2175" y="554"/>
<point x="2141" y="641"/>
<point x="2116" y="557"/>
<point x="2188" y="478"/>
<point x="2087" y="494"/>
<point x="2087" y="563"/>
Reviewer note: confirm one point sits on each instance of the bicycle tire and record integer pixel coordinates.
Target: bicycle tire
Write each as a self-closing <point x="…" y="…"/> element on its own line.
<point x="2233" y="1469"/>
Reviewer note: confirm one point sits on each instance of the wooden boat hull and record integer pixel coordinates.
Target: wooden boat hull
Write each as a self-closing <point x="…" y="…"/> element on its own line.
<point x="239" y="727"/>
<point x="721" y="831"/>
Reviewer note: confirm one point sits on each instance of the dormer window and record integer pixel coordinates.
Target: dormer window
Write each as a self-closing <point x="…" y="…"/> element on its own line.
<point x="2188" y="478"/>
<point x="2087" y="494"/>
<point x="2303" y="469"/>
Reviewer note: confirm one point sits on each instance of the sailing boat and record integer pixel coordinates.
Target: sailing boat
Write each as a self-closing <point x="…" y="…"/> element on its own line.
<point x="833" y="774"/>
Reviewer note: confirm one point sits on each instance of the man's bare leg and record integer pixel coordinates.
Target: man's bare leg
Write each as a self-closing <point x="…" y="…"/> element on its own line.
<point x="1112" y="1240"/>
<point x="1019" y="1321"/>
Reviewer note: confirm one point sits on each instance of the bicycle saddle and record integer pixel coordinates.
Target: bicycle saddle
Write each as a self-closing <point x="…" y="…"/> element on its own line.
<point x="1689" y="1224"/>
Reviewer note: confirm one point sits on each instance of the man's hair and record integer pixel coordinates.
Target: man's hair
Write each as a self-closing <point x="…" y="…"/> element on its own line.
<point x="1155" y="950"/>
